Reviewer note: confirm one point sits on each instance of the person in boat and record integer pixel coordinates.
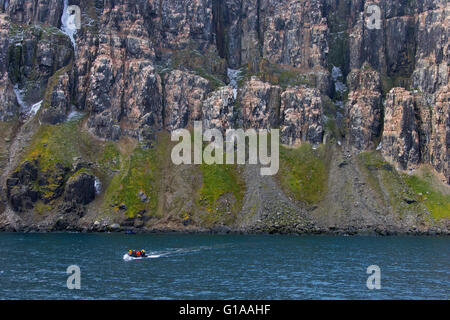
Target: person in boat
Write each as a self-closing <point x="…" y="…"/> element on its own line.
<point x="132" y="253"/>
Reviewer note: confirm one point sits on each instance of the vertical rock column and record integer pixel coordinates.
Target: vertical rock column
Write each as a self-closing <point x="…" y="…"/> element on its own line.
<point x="364" y="108"/>
<point x="401" y="141"/>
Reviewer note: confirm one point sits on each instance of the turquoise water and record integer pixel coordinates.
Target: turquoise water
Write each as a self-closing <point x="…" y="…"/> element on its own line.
<point x="33" y="266"/>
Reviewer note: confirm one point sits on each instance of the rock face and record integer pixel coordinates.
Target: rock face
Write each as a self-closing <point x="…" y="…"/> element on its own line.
<point x="432" y="42"/>
<point x="57" y="103"/>
<point x="219" y="109"/>
<point x="144" y="99"/>
<point x="35" y="54"/>
<point x="440" y="137"/>
<point x="401" y="141"/>
<point x="139" y="69"/>
<point x="415" y="133"/>
<point x="9" y="108"/>
<point x="20" y="191"/>
<point x="36" y="12"/>
<point x="80" y="188"/>
<point x="295" y="33"/>
<point x="364" y="108"/>
<point x="260" y="103"/>
<point x="301" y="116"/>
<point x="184" y="95"/>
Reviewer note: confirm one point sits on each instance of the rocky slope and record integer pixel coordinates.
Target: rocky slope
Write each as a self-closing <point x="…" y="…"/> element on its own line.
<point x="363" y="114"/>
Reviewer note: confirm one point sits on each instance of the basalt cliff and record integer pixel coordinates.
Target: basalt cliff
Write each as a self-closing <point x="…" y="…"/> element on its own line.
<point x="360" y="96"/>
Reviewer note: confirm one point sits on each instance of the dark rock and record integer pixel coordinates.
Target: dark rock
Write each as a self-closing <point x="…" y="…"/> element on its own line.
<point x="22" y="197"/>
<point x="138" y="223"/>
<point x="187" y="222"/>
<point x="409" y="201"/>
<point x="129" y="222"/>
<point x="80" y="188"/>
<point x="343" y="164"/>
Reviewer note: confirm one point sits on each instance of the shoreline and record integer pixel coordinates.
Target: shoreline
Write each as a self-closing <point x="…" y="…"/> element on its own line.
<point x="155" y="231"/>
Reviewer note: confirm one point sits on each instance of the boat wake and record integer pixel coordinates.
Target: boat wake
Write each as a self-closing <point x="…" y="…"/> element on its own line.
<point x="126" y="257"/>
<point x="169" y="252"/>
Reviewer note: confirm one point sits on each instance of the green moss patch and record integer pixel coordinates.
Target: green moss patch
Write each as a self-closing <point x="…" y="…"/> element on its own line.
<point x="405" y="193"/>
<point x="59" y="144"/>
<point x="55" y="148"/>
<point x="110" y="158"/>
<point x="304" y="172"/>
<point x="218" y="181"/>
<point x="282" y="75"/>
<point x="427" y="193"/>
<point x="140" y="173"/>
<point x="387" y="183"/>
<point x="209" y="65"/>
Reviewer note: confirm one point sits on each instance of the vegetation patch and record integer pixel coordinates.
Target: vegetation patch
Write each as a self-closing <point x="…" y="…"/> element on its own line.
<point x="41" y="208"/>
<point x="55" y="148"/>
<point x="437" y="202"/>
<point x="134" y="190"/>
<point x="304" y="172"/>
<point x="60" y="143"/>
<point x="387" y="183"/>
<point x="209" y="65"/>
<point x="405" y="193"/>
<point x="110" y="158"/>
<point x="282" y="75"/>
<point x="220" y="180"/>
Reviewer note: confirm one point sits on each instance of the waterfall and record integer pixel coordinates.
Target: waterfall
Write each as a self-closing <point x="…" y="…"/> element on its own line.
<point x="97" y="185"/>
<point x="68" y="23"/>
<point x="19" y="96"/>
<point x="74" y="114"/>
<point x="233" y="75"/>
<point x="35" y="108"/>
<point x="336" y="73"/>
<point x="25" y="109"/>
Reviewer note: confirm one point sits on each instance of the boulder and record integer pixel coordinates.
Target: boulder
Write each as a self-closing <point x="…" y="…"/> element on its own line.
<point x="80" y="188"/>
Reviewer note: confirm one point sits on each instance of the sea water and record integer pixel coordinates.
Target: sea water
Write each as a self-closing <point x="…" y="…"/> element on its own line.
<point x="33" y="266"/>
